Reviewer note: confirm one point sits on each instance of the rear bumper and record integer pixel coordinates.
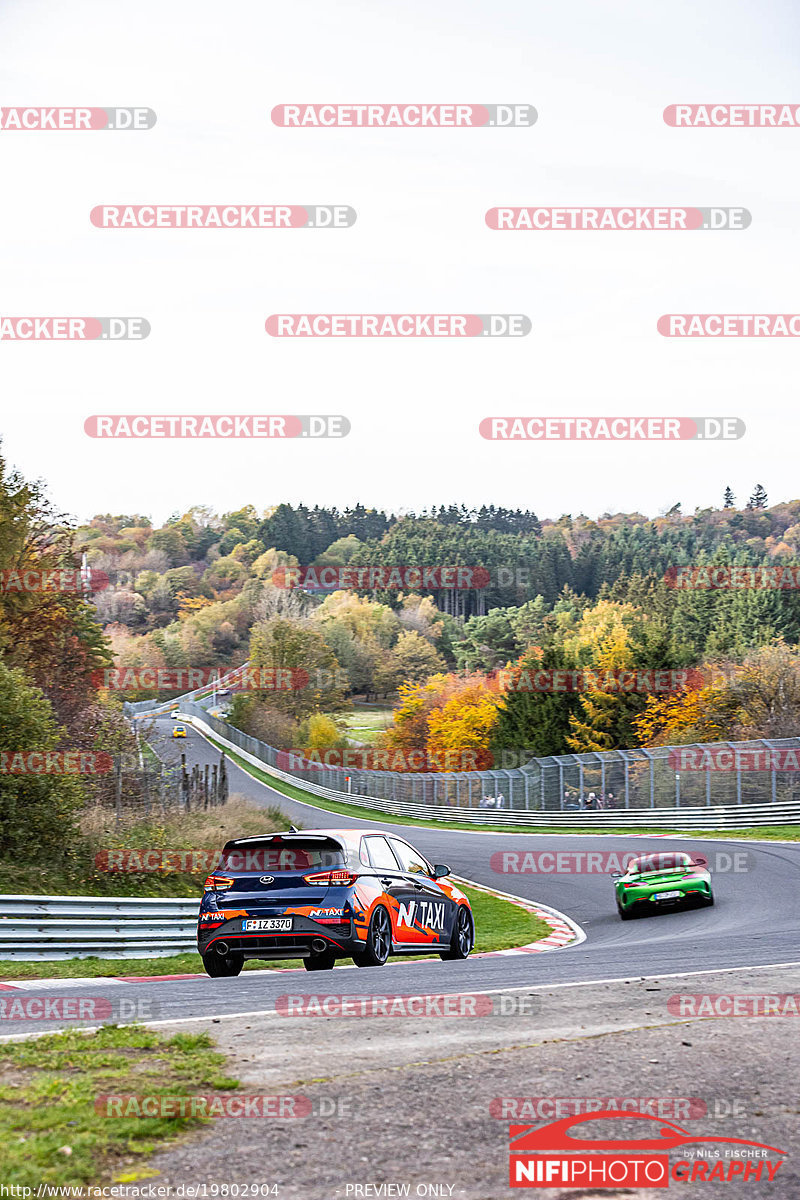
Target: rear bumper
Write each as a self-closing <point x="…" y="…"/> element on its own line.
<point x="298" y="942"/>
<point x="694" y="895"/>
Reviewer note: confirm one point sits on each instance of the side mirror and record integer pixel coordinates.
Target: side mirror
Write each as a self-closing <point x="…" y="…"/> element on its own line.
<point x="615" y="874"/>
<point x="440" y="870"/>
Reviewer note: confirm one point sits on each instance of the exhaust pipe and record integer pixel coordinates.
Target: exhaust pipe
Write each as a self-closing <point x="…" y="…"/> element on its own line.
<point x="319" y="945"/>
<point x="222" y="947"/>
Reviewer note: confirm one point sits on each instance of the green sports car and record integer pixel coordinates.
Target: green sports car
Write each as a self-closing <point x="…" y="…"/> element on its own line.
<point x="661" y="880"/>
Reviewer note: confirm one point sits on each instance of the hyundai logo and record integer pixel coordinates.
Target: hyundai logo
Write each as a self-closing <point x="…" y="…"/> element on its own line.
<point x="267" y="879"/>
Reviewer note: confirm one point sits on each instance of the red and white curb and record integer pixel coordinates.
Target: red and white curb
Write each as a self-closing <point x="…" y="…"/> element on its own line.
<point x="565" y="932"/>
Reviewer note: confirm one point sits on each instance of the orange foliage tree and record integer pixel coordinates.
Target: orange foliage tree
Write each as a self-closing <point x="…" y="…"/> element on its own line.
<point x="450" y="716"/>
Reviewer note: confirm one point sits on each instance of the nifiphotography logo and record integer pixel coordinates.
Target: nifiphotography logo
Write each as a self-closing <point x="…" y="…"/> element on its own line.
<point x="559" y="1154"/>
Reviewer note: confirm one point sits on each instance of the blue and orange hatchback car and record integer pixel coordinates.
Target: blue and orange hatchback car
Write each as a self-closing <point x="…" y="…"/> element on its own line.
<point x="320" y="895"/>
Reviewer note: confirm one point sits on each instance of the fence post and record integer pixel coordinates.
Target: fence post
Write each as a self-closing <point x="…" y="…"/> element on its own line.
<point x="118" y="789"/>
<point x="223" y="779"/>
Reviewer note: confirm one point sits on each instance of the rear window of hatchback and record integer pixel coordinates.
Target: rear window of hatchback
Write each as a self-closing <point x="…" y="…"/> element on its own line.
<point x="284" y="855"/>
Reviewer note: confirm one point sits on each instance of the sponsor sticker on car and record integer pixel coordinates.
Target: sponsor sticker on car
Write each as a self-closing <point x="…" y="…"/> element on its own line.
<point x="267" y="923"/>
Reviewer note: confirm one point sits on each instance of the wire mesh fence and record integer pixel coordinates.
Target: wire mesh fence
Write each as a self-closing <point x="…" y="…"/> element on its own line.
<point x="137" y="787"/>
<point x="720" y="773"/>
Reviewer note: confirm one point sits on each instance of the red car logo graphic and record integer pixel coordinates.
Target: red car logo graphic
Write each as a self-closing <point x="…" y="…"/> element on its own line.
<point x="556" y="1136"/>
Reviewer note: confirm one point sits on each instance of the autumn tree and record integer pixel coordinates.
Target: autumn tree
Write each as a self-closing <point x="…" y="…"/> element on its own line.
<point x="51" y="633"/>
<point x="284" y="645"/>
<point x="37" y="811"/>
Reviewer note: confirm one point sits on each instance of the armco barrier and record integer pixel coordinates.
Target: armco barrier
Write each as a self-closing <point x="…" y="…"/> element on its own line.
<point x="47" y="928"/>
<point x="688" y="817"/>
<point x="154" y="708"/>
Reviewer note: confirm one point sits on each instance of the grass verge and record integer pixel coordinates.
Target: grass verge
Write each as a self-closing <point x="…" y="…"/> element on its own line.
<point x="365" y="725"/>
<point x="81" y="873"/>
<point x="500" y="925"/>
<point x="49" y="1129"/>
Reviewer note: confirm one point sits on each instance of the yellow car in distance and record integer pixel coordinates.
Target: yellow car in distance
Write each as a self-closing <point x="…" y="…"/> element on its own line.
<point x="179" y="731"/>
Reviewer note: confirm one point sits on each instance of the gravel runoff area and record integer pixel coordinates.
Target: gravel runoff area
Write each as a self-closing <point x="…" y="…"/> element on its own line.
<point x="406" y="1102"/>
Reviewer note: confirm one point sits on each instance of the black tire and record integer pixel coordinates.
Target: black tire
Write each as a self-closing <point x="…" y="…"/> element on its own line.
<point x="625" y="914"/>
<point x="219" y="965"/>
<point x="379" y="941"/>
<point x="463" y="936"/>
<point x="708" y="901"/>
<point x="320" y="962"/>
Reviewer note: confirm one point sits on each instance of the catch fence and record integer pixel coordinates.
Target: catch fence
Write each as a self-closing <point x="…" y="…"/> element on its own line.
<point x="642" y="779"/>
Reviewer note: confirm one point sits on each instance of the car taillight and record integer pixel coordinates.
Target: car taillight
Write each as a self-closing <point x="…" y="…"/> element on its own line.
<point x="627" y="885"/>
<point x="218" y="883"/>
<point x="332" y="878"/>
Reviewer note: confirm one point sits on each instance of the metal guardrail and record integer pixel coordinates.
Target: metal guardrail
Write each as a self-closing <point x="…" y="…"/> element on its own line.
<point x="48" y="928"/>
<point x="135" y="708"/>
<point x="718" y="817"/>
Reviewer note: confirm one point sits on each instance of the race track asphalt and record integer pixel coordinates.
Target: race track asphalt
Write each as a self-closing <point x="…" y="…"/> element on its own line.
<point x="755" y="921"/>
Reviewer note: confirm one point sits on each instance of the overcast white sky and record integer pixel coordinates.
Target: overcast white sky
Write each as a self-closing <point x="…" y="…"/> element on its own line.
<point x="599" y="75"/>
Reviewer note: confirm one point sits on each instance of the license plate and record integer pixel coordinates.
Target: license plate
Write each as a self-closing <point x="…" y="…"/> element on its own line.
<point x="667" y="895"/>
<point x="274" y="924"/>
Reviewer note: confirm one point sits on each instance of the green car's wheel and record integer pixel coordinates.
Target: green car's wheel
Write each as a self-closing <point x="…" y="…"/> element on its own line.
<point x="625" y="913"/>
